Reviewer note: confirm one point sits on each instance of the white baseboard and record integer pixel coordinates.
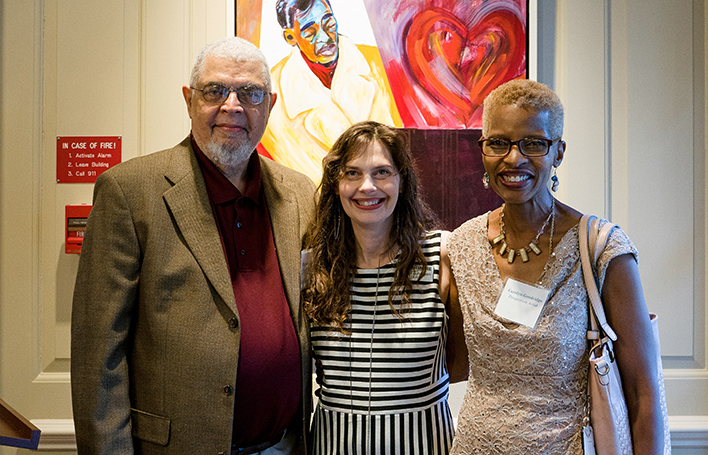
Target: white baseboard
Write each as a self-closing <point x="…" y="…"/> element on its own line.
<point x="686" y="432"/>
<point x="57" y="434"/>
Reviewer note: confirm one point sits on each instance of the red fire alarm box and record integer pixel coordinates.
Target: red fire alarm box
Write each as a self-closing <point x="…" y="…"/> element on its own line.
<point x="76" y="218"/>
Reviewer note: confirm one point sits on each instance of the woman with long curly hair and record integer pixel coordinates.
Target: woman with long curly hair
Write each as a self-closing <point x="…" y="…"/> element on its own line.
<point x="386" y="328"/>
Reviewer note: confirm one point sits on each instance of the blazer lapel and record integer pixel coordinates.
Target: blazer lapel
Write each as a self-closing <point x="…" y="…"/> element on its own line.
<point x="285" y="223"/>
<point x="189" y="203"/>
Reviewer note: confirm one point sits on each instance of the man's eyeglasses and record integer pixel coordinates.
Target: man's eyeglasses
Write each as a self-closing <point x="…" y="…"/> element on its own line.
<point x="528" y="146"/>
<point x="250" y="95"/>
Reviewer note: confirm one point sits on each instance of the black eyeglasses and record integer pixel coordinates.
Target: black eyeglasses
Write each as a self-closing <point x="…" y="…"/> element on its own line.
<point x="528" y="146"/>
<point x="250" y="95"/>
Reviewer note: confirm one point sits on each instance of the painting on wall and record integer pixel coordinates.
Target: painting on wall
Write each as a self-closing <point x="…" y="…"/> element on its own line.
<point x="412" y="64"/>
<point x="443" y="57"/>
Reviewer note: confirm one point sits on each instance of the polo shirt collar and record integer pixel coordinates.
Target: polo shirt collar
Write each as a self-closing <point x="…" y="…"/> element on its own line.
<point x="220" y="189"/>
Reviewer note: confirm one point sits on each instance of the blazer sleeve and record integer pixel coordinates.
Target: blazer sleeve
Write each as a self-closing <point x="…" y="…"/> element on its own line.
<point x="105" y="297"/>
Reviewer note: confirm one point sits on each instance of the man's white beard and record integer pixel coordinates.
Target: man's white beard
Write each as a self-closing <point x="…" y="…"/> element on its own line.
<point x="226" y="157"/>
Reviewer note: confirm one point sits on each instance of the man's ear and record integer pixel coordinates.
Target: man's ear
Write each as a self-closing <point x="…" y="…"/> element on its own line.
<point x="289" y="36"/>
<point x="187" y="93"/>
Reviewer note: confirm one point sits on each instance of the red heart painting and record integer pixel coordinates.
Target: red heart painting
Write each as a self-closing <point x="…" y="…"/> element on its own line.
<point x="448" y="60"/>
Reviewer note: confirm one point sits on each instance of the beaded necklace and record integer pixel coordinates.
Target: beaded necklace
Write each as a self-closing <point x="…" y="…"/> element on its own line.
<point x="533" y="244"/>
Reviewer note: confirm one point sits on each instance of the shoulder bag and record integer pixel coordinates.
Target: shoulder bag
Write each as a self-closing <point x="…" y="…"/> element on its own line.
<point x="606" y="429"/>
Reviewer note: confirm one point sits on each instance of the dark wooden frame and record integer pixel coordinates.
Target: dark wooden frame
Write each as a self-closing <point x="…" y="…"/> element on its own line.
<point x="15" y="430"/>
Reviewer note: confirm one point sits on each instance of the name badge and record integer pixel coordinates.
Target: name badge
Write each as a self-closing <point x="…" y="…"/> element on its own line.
<point x="521" y="302"/>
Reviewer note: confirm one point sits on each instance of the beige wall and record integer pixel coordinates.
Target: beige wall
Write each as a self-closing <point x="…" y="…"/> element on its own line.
<point x="631" y="73"/>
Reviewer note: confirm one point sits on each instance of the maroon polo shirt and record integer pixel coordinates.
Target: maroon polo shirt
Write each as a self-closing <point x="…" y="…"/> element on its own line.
<point x="267" y="394"/>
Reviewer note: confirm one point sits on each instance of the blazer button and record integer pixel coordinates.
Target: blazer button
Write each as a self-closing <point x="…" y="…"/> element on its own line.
<point x="228" y="390"/>
<point x="233" y="323"/>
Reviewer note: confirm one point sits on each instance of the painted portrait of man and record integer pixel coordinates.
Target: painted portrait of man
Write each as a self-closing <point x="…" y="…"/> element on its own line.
<point x="324" y="85"/>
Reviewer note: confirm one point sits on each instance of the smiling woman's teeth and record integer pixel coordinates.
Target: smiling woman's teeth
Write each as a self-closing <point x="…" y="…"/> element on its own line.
<point x="369" y="202"/>
<point x="515" y="178"/>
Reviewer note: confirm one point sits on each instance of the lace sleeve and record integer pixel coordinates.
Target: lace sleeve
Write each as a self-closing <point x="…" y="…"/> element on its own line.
<point x="617" y="245"/>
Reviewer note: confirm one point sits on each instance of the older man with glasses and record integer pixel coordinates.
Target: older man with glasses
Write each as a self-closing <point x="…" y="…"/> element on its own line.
<point x="187" y="332"/>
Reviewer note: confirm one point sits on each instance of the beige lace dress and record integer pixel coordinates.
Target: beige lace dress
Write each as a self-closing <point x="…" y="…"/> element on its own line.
<point x="526" y="389"/>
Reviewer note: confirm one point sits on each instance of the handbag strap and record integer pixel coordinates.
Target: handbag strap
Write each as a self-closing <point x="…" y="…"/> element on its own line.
<point x="590" y="239"/>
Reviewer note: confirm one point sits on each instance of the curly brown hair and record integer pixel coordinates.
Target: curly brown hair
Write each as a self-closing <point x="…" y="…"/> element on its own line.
<point x="331" y="240"/>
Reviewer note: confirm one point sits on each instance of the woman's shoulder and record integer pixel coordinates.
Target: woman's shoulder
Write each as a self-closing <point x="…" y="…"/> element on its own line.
<point x="434" y="239"/>
<point x="618" y="244"/>
<point x="617" y="237"/>
<point x="618" y="241"/>
<point x="469" y="239"/>
<point x="477" y="225"/>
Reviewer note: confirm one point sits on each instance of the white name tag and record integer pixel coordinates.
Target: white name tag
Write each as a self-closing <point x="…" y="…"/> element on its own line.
<point x="521" y="302"/>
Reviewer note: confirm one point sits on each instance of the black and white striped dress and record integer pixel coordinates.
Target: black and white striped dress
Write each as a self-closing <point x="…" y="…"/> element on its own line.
<point x="385" y="386"/>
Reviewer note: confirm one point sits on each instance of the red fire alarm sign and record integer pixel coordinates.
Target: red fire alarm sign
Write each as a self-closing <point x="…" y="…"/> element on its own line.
<point x="81" y="159"/>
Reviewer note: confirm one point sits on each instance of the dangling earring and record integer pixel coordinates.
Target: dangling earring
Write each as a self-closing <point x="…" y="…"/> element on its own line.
<point x="485" y="181"/>
<point x="554" y="180"/>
